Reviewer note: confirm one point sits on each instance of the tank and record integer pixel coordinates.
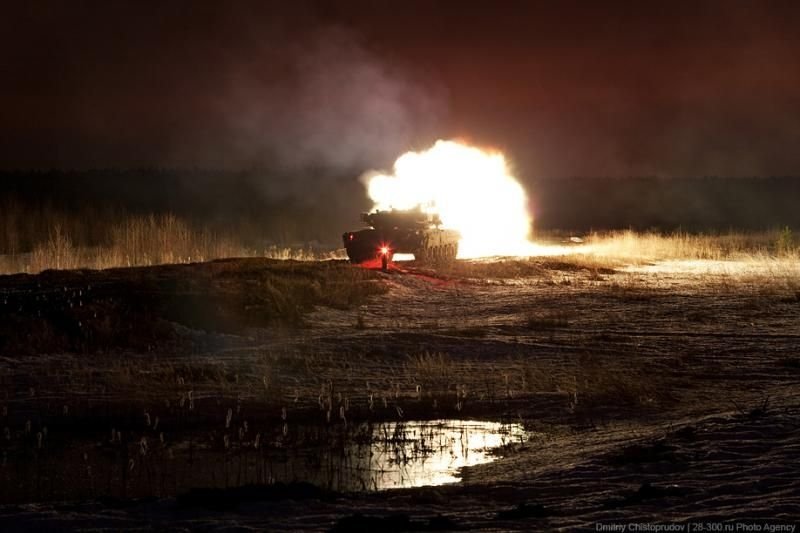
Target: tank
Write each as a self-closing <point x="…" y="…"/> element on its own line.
<point x="401" y="231"/>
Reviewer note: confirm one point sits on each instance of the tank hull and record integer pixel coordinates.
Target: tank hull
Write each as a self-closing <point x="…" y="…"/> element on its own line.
<point x="432" y="245"/>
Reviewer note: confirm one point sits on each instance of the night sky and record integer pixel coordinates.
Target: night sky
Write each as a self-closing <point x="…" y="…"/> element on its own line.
<point x="565" y="89"/>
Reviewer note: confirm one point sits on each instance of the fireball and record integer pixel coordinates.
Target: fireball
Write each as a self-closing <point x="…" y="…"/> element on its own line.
<point x="472" y="191"/>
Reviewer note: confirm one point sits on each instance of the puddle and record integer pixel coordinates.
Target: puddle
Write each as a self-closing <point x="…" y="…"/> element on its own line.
<point x="416" y="454"/>
<point x="341" y="457"/>
<point x="392" y="454"/>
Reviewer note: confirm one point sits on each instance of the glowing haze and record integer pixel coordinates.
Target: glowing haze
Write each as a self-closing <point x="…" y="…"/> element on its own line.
<point x="472" y="191"/>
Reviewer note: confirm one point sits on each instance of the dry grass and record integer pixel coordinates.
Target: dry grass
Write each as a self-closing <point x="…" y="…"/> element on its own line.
<point x="630" y="246"/>
<point x="767" y="259"/>
<point x="435" y="369"/>
<point x="606" y="253"/>
<point x="37" y="241"/>
<point x="140" y="241"/>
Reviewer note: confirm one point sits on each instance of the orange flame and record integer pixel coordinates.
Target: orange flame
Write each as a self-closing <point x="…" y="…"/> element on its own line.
<point x="472" y="191"/>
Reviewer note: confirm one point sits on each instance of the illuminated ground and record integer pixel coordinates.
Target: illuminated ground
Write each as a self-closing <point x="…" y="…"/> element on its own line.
<point x="664" y="391"/>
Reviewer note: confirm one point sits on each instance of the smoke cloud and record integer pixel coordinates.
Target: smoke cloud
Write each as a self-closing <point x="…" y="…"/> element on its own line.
<point x="325" y="104"/>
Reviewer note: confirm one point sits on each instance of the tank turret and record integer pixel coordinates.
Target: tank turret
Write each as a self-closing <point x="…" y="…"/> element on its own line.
<point x="396" y="219"/>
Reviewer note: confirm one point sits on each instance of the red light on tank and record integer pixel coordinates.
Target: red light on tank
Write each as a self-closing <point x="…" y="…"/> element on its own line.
<point x="350" y="236"/>
<point x="384" y="250"/>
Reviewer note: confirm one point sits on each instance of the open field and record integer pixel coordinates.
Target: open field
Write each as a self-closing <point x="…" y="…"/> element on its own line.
<point x="35" y="239"/>
<point x="664" y="390"/>
<point x="60" y="241"/>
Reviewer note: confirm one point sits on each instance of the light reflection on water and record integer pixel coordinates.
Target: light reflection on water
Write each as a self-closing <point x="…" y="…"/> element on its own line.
<point x="339" y="456"/>
<point x="415" y="454"/>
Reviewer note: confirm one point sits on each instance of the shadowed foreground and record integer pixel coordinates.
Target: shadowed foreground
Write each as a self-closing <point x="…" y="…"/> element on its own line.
<point x="668" y="394"/>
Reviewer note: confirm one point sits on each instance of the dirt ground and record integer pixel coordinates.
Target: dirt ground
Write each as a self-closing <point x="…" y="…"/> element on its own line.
<point x="652" y="395"/>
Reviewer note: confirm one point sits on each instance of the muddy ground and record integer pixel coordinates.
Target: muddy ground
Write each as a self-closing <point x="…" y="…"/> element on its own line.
<point x="649" y="395"/>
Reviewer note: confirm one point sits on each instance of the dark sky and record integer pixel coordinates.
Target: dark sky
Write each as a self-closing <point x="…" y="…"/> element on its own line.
<point x="564" y="88"/>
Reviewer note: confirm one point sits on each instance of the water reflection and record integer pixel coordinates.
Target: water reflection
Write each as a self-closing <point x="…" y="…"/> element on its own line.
<point x="415" y="454"/>
<point x="386" y="455"/>
<point x="341" y="457"/>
